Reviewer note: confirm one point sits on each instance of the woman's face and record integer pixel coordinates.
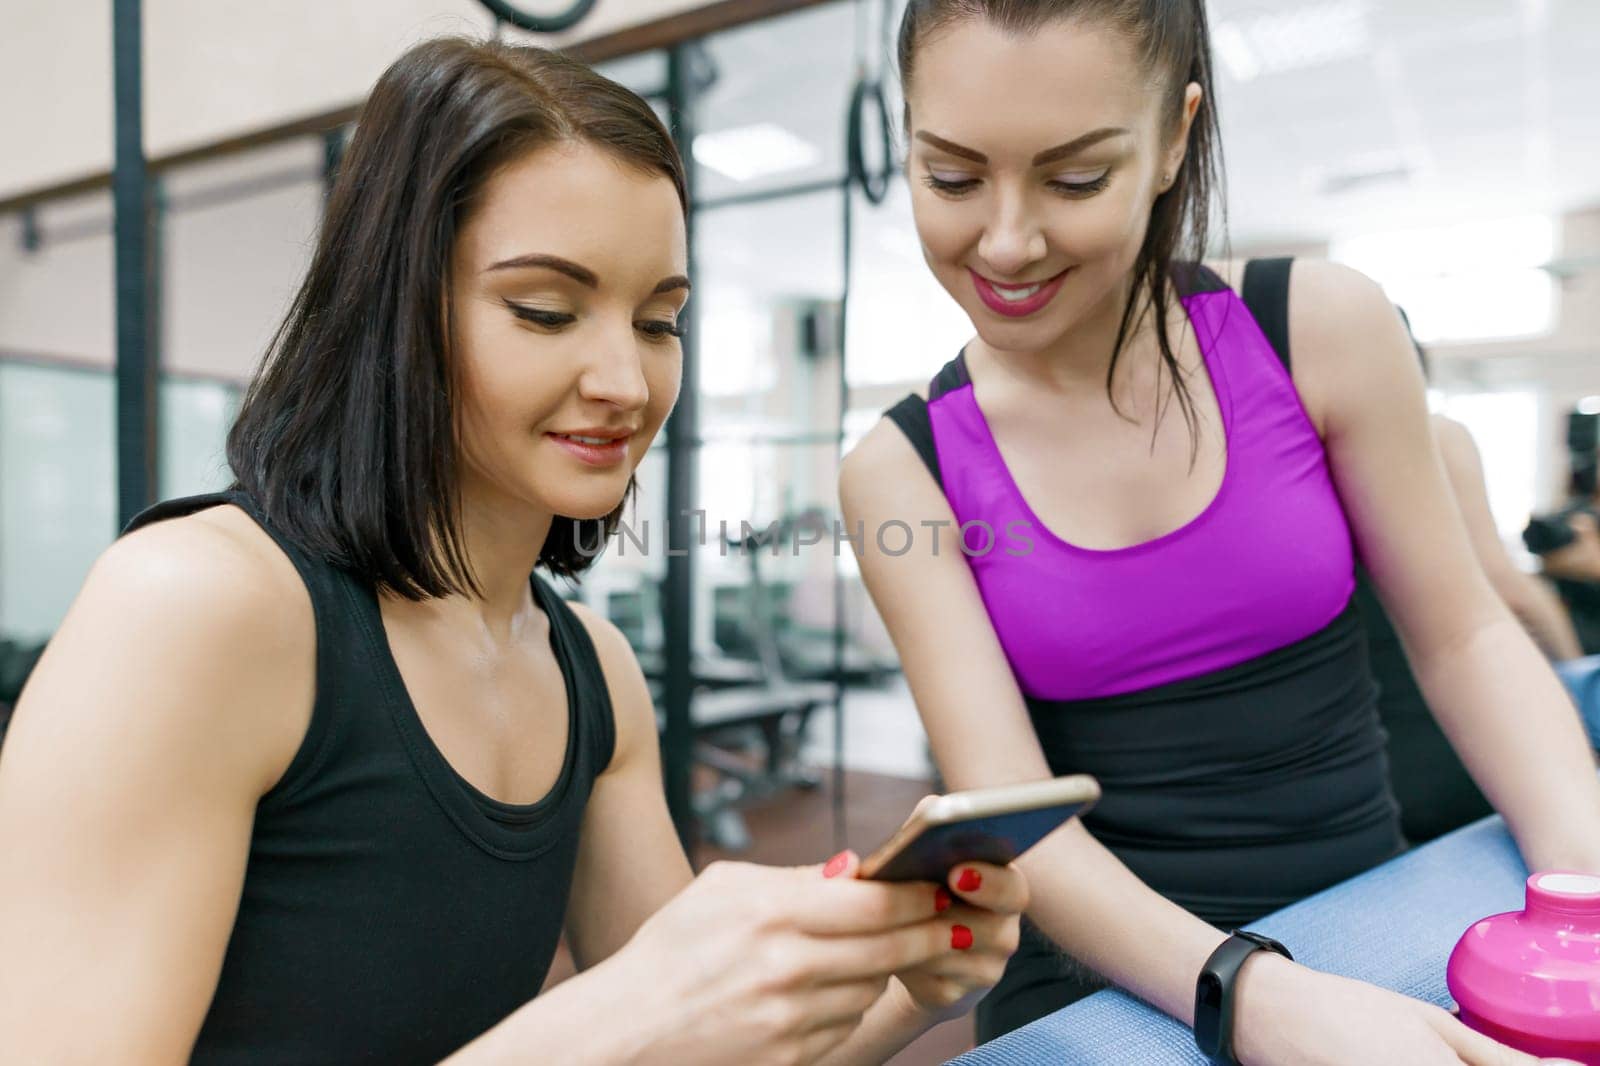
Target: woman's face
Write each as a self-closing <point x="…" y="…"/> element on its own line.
<point x="568" y="279"/>
<point x="1034" y="163"/>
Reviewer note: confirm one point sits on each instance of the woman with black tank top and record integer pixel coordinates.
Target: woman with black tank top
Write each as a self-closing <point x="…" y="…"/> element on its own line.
<point x="1141" y="507"/>
<point x="316" y="772"/>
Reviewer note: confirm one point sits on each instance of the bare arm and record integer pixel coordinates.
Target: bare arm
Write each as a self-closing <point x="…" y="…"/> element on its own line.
<point x="1496" y="698"/>
<point x="629" y="860"/>
<point x="151" y="726"/>
<point x="1535" y="604"/>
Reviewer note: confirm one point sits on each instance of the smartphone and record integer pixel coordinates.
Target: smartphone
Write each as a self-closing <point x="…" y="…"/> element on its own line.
<point x="992" y="825"/>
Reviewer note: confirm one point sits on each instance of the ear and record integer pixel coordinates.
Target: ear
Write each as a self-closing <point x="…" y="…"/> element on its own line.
<point x="1192" y="96"/>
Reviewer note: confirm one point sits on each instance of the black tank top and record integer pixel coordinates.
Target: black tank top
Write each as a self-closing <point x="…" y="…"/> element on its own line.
<point x="390" y="911"/>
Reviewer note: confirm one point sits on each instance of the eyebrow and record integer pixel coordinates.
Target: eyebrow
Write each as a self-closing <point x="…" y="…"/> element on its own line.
<point x="1049" y="155"/>
<point x="581" y="274"/>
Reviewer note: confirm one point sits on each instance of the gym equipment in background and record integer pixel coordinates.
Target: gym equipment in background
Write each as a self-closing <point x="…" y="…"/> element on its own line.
<point x="754" y="621"/>
<point x="565" y="19"/>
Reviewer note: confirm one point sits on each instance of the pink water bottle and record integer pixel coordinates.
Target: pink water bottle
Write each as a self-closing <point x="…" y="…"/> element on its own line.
<point x="1531" y="978"/>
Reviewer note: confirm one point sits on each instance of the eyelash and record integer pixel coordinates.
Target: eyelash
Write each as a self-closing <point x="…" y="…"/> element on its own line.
<point x="552" y="320"/>
<point x="546" y="319"/>
<point x="658" y="330"/>
<point x="1071" y="189"/>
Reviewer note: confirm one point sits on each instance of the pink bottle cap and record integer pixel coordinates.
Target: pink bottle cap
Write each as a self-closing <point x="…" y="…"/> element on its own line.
<point x="1536" y="971"/>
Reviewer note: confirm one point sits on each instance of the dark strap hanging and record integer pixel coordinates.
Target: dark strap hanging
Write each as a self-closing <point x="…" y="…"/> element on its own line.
<point x="911" y="415"/>
<point x="1266" y="294"/>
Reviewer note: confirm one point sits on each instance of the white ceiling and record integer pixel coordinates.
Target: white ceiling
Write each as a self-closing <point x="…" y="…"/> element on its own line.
<point x="1365" y="114"/>
<point x="1484" y="107"/>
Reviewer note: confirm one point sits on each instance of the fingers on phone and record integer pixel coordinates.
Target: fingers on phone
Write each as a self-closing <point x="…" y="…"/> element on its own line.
<point x="844" y="865"/>
<point x="939" y="942"/>
<point x="995" y="888"/>
<point x="847" y="907"/>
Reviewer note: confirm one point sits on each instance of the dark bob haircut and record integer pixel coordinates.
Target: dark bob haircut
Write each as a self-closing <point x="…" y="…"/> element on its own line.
<point x="347" y="437"/>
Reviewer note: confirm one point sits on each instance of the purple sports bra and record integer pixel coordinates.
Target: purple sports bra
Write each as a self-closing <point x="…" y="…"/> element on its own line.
<point x="1268" y="563"/>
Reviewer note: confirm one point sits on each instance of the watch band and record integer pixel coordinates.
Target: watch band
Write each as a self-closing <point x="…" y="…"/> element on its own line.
<point x="1213" y="993"/>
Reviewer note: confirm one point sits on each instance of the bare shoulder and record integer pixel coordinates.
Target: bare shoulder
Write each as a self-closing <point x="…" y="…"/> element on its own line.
<point x="1352" y="356"/>
<point x="884" y="483"/>
<point x="631" y="704"/>
<point x="1462" y="461"/>
<point x="200" y="635"/>
<point x="212" y="568"/>
<point x="610" y="645"/>
<point x="1335" y="308"/>
<point x="1320" y="291"/>
<point x="1453" y="437"/>
<point x="882" y="455"/>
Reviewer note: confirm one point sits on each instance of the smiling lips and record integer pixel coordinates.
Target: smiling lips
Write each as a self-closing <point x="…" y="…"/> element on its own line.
<point x="1016" y="301"/>
<point x="596" y="446"/>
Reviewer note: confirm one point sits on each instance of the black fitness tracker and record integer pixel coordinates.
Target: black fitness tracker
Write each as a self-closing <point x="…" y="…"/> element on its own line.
<point x="1213" y="993"/>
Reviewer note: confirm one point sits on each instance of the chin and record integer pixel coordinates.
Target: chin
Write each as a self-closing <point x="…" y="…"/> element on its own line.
<point x="1031" y="336"/>
<point x="584" y="505"/>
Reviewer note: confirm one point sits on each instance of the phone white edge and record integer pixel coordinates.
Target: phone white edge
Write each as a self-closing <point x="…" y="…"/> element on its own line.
<point x="1006" y="799"/>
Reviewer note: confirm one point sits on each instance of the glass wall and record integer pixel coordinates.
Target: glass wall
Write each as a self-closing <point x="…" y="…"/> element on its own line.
<point x="58" y="478"/>
<point x="773" y="115"/>
<point x="57" y="490"/>
<point x="195" y="417"/>
<point x="234" y="237"/>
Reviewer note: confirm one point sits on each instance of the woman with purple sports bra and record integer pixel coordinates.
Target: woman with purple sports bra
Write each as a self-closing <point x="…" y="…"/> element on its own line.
<point x="1140" y="532"/>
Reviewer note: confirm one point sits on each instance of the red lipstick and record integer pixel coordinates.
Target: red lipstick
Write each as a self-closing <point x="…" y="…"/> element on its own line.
<point x="1010" y="308"/>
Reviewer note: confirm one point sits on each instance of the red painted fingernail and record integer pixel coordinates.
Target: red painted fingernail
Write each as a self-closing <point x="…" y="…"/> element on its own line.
<point x="960" y="937"/>
<point x="970" y="880"/>
<point x="836" y="864"/>
<point x="941" y="900"/>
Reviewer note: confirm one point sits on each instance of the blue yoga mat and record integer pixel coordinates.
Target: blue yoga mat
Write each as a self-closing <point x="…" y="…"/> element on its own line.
<point x="1393" y="926"/>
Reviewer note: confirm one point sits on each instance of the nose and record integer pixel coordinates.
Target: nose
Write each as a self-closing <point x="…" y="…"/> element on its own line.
<point x="614" y="374"/>
<point x="1013" y="240"/>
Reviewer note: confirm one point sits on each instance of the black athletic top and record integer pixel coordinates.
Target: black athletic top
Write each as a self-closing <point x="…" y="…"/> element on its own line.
<point x="1243" y="789"/>
<point x="391" y="912"/>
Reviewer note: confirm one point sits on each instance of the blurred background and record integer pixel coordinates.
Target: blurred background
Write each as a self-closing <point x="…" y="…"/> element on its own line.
<point x="1450" y="151"/>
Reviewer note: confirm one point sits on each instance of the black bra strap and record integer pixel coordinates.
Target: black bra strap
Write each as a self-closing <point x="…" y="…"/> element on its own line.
<point x="951" y="376"/>
<point x="911" y="415"/>
<point x="1266" y="294"/>
<point x="177" y="508"/>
